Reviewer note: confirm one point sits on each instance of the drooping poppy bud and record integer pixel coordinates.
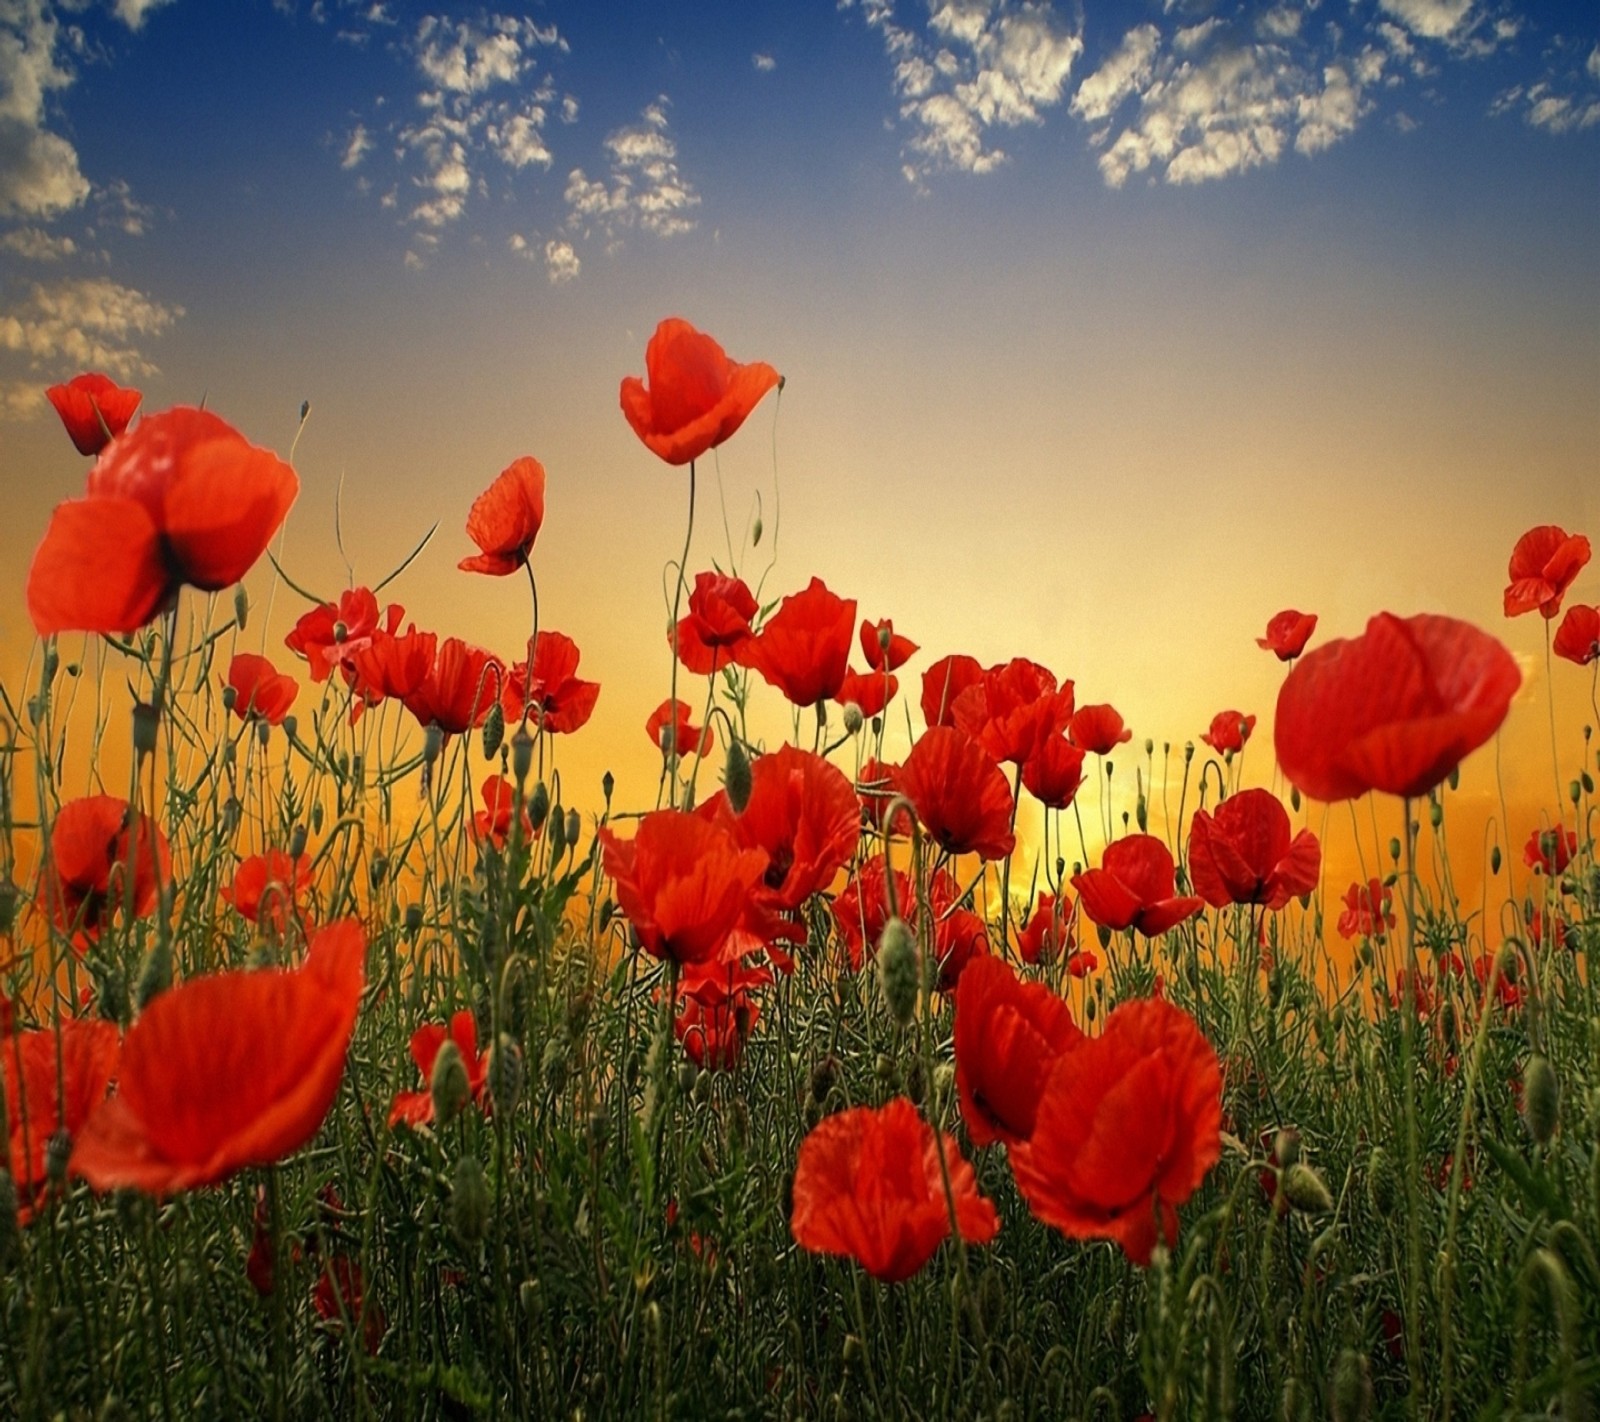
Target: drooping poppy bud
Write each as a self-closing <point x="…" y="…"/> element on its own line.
<point x="449" y="1084"/>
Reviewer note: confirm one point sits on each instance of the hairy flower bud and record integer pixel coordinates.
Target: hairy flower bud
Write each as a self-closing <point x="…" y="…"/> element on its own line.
<point x="494" y="731"/>
<point x="897" y="970"/>
<point x="506" y="1075"/>
<point x="736" y="776"/>
<point x="449" y="1083"/>
<point x="538" y="806"/>
<point x="1541" y="1098"/>
<point x="469" y="1201"/>
<point x="852" y="718"/>
<point x="1350" y="1387"/>
<point x="1305" y="1190"/>
<point x="1382" y="1187"/>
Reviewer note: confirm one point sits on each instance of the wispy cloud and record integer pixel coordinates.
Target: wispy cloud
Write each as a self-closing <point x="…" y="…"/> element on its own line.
<point x="39" y="172"/>
<point x="1565" y="98"/>
<point x="644" y="187"/>
<point x="764" y="63"/>
<point x="86" y="322"/>
<point x="34" y="244"/>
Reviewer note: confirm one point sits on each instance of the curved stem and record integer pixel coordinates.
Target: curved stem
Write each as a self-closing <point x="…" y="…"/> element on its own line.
<point x="677" y="604"/>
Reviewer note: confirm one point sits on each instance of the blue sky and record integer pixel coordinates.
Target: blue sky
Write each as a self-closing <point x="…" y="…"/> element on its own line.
<point x="1109" y="329"/>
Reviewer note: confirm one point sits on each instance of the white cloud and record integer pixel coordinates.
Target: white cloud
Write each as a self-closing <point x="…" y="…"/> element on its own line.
<point x="34" y="244"/>
<point x="1125" y="72"/>
<point x="1327" y="116"/>
<point x="1565" y="99"/>
<point x="1593" y="65"/>
<point x="560" y="261"/>
<point x="569" y="109"/>
<point x="132" y="12"/>
<point x="86" y="322"/>
<point x="979" y="65"/>
<point x="644" y="187"/>
<point x="357" y="148"/>
<point x="120" y="209"/>
<point x="765" y="63"/>
<point x="39" y="174"/>
<point x="1432" y="19"/>
<point x="21" y="400"/>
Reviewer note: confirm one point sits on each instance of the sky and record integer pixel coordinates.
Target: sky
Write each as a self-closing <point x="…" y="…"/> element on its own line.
<point x="1108" y="330"/>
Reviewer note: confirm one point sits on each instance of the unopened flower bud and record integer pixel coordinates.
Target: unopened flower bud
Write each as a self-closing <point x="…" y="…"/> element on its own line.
<point x="146" y="719"/>
<point x="538" y="806"/>
<point x="736" y="776"/>
<point x="432" y="743"/>
<point x="558" y="834"/>
<point x="449" y="1084"/>
<point x="156" y="976"/>
<point x="553" y="1065"/>
<point x="264" y="734"/>
<point x="230" y="697"/>
<point x="1294" y="798"/>
<point x="494" y="731"/>
<point x="469" y="1201"/>
<point x="1286" y="1147"/>
<point x="755" y="532"/>
<point x="852" y="718"/>
<point x="1435" y="814"/>
<point x="241" y="606"/>
<point x="506" y="1075"/>
<point x="341" y="631"/>
<point x="824" y="1077"/>
<point x="1494" y="860"/>
<point x="1382" y="1187"/>
<point x="413" y="920"/>
<point x="1350" y="1388"/>
<point x="1541" y="1098"/>
<point x="378" y="870"/>
<point x="1305" y="1190"/>
<point x="574" y="827"/>
<point x="1394" y="848"/>
<point x="897" y="970"/>
<point x="297" y="841"/>
<point x="291" y="724"/>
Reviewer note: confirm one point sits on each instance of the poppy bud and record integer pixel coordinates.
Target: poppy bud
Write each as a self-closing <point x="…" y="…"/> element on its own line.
<point x="10" y="1224"/>
<point x="230" y="697"/>
<point x="824" y="1077"/>
<point x="297" y="841"/>
<point x="558" y="834"/>
<point x="145" y="721"/>
<point x="449" y="1084"/>
<point x="413" y="920"/>
<point x="553" y="1064"/>
<point x="241" y="606"/>
<point x="494" y="731"/>
<point x="885" y="1069"/>
<point x="1435" y="814"/>
<point x="1103" y="934"/>
<point x="600" y="1125"/>
<point x="916" y="1082"/>
<point x="1574" y="792"/>
<point x="897" y="970"/>
<point x="1541" y="1098"/>
<point x="1286" y="1147"/>
<point x="1587" y="781"/>
<point x="1382" y="1187"/>
<point x="469" y="1201"/>
<point x="1394" y="849"/>
<point x="263" y="733"/>
<point x="156" y="977"/>
<point x="688" y="1074"/>
<point x="10" y="897"/>
<point x="736" y="776"/>
<point x="291" y="724"/>
<point x="1350" y="1388"/>
<point x="574" y="827"/>
<point x="378" y="870"/>
<point x="538" y="807"/>
<point x="1294" y="797"/>
<point x="506" y="1074"/>
<point x="1142" y="815"/>
<point x="1305" y="1189"/>
<point x="528" y="1296"/>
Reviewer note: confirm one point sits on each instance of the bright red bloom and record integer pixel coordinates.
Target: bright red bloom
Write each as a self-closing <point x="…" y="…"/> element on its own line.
<point x="1098" y="729"/>
<point x="1135" y="887"/>
<point x="461" y="686"/>
<point x="391" y="663"/>
<point x="717" y="629"/>
<point x="804" y="648"/>
<point x="862" y="908"/>
<point x="942" y="685"/>
<point x="803" y="815"/>
<point x="717" y="1011"/>
<point x="36" y="1109"/>
<point x="183" y="498"/>
<point x="1550" y="850"/>
<point x="877" y="783"/>
<point x="1008" y="1035"/>
<point x="960" y="935"/>
<point x="1127" y="1127"/>
<point x="274" y="884"/>
<point x="505" y="519"/>
<point x="1395" y="709"/>
<point x="1054" y="772"/>
<point x="1229" y="731"/>
<point x="669" y="730"/>
<point x="1014" y="709"/>
<point x="883" y="648"/>
<point x="696" y="397"/>
<point x="1506" y="990"/>
<point x="1543" y="565"/>
<point x="869" y="692"/>
<point x="93" y="842"/>
<point x="260" y="689"/>
<point x="959" y="794"/>
<point x="1368" y="910"/>
<point x="494" y="821"/>
<point x="683" y="881"/>
<point x="415" y="1108"/>
<point x="1578" y="637"/>
<point x="868" y="1184"/>
<point x="1551" y="933"/>
<point x="94" y="409"/>
<point x="336" y="633"/>
<point x="557" y="698"/>
<point x="1242" y="853"/>
<point x="1287" y="634"/>
<point x="195" y="1104"/>
<point x="1048" y="935"/>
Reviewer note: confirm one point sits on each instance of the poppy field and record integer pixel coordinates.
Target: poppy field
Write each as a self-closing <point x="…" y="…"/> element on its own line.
<point x="354" y="1065"/>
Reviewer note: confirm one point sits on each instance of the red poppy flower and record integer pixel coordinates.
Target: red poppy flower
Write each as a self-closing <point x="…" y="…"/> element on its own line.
<point x="1229" y="731"/>
<point x="1424" y="1000"/>
<point x="868" y="1184"/>
<point x="93" y="842"/>
<point x="40" y="1100"/>
<point x="804" y="649"/>
<point x="415" y="1108"/>
<point x="1135" y="887"/>
<point x="556" y="697"/>
<point x="194" y="1104"/>
<point x="336" y="633"/>
<point x="1543" y="565"/>
<point x="717" y="629"/>
<point x="1287" y="633"/>
<point x="959" y="794"/>
<point x="390" y="664"/>
<point x="1008" y="1035"/>
<point x="960" y="935"/>
<point x="505" y="519"/>
<point x="877" y="783"/>
<point x="1551" y="933"/>
<point x="1242" y="853"/>
<point x="1048" y="935"/>
<point x="802" y="814"/>
<point x="340" y="1294"/>
<point x="274" y="884"/>
<point x="869" y="692"/>
<point x="942" y="685"/>
<point x="94" y="409"/>
<point x="1014" y="709"/>
<point x="1506" y="990"/>
<point x="494" y="821"/>
<point x="181" y="499"/>
<point x="1098" y="729"/>
<point x="862" y="908"/>
<point x="883" y="648"/>
<point x="696" y="397"/>
<point x="1054" y="772"/>
<point x="717" y="1011"/>
<point x="1395" y="709"/>
<point x="669" y="729"/>
<point x="1550" y="850"/>
<point x="260" y="690"/>
<point x="1127" y="1127"/>
<point x="1578" y="637"/>
<point x="683" y="881"/>
<point x="461" y="686"/>
<point x="1368" y="910"/>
